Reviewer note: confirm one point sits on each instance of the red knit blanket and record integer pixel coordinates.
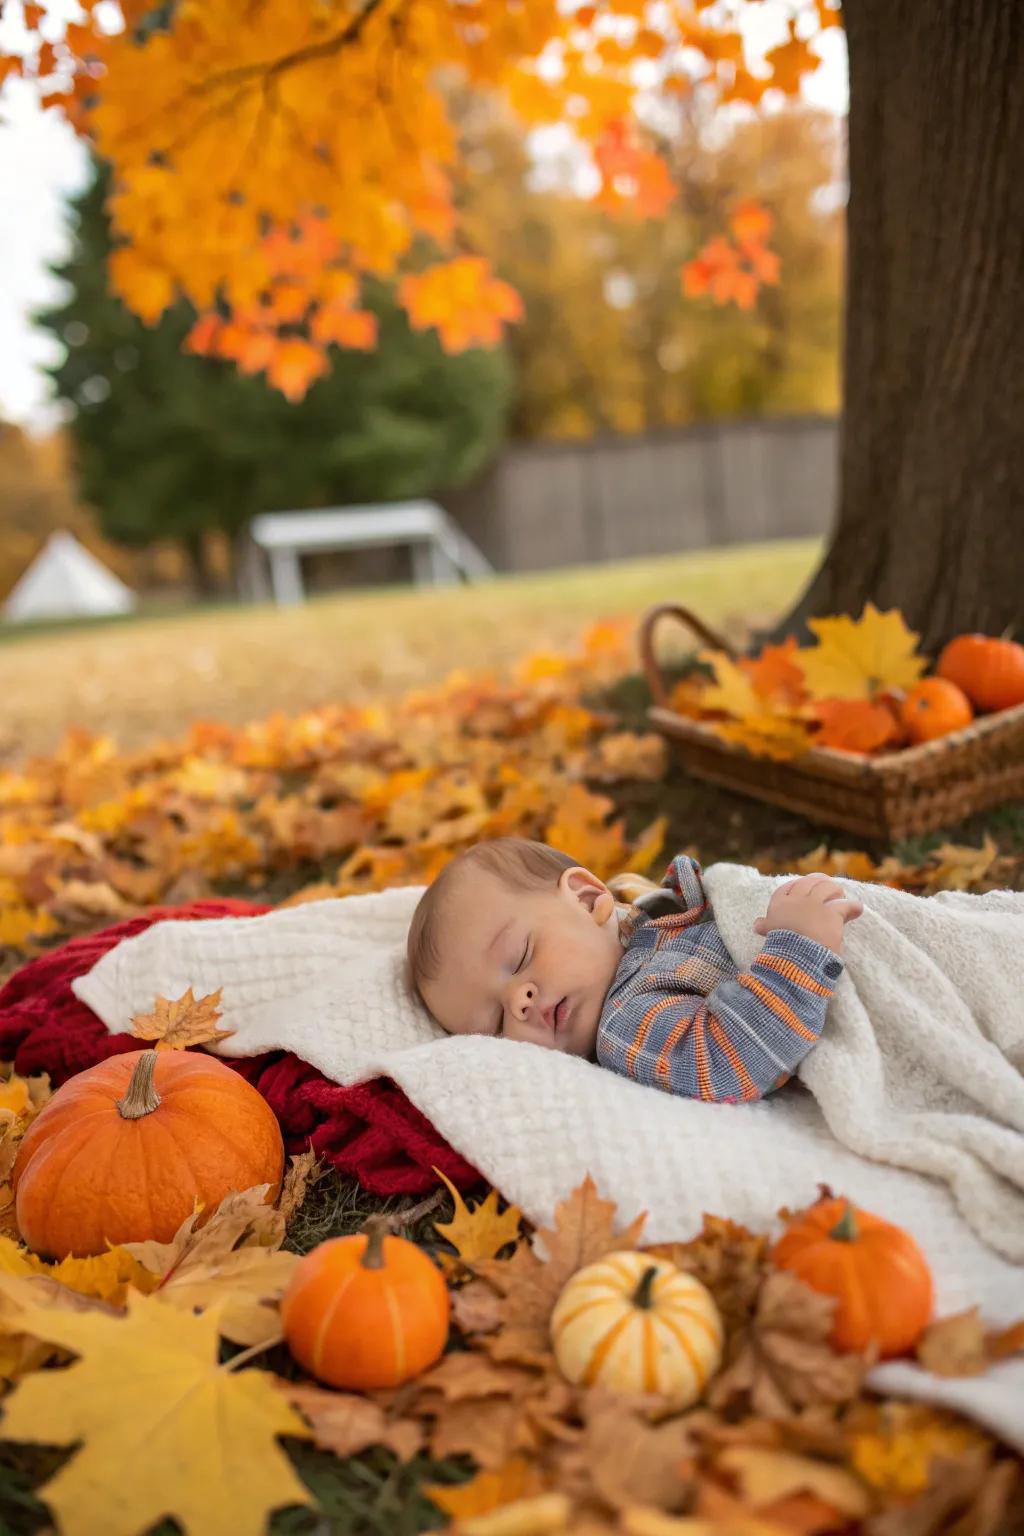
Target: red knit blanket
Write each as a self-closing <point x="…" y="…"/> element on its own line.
<point x="371" y="1131"/>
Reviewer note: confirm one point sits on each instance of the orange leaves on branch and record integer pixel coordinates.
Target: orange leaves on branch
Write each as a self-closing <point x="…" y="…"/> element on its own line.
<point x="323" y="137"/>
<point x="635" y="181"/>
<point x="463" y="301"/>
<point x="733" y="270"/>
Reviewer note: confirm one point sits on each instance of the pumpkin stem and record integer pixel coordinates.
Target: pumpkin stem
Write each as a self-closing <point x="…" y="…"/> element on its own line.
<point x="141" y="1098"/>
<point x="642" y="1295"/>
<point x="376" y="1229"/>
<point x="845" y="1229"/>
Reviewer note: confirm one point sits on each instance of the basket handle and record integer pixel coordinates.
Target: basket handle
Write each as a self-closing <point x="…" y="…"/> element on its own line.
<point x="651" y="621"/>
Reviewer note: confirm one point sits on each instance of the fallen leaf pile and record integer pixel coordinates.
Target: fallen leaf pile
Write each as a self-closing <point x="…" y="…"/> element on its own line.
<point x="355" y="798"/>
<point x="844" y="692"/>
<point x="121" y="1357"/>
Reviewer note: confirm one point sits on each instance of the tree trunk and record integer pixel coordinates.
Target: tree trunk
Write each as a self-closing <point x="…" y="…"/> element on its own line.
<point x="198" y="555"/>
<point x="931" y="514"/>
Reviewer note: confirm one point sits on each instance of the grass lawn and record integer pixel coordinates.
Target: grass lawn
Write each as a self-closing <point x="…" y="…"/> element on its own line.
<point x="151" y="677"/>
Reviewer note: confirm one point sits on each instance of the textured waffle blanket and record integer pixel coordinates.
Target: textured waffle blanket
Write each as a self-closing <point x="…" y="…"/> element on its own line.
<point x="912" y="1104"/>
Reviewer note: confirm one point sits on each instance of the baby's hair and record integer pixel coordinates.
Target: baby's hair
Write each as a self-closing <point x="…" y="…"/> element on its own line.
<point x="520" y="864"/>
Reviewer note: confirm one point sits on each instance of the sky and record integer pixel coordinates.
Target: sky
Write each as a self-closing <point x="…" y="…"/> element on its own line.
<point x="42" y="165"/>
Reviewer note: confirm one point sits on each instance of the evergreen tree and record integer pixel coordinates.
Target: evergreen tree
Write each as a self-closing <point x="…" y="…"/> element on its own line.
<point x="170" y="445"/>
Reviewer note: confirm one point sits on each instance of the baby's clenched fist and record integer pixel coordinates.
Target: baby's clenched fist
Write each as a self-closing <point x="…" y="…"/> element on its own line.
<point x="814" y="906"/>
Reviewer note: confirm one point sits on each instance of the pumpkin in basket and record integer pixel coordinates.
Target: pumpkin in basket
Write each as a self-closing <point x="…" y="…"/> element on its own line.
<point x="366" y="1311"/>
<point x="875" y="1270"/>
<point x="990" y="671"/>
<point x="123" y="1150"/>
<point x="934" y="707"/>
<point x="638" y="1324"/>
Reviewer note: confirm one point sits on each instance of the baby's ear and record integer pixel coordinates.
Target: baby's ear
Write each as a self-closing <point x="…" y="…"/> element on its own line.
<point x="591" y="893"/>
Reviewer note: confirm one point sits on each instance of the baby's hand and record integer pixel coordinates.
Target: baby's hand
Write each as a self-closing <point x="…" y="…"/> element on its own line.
<point x="814" y="906"/>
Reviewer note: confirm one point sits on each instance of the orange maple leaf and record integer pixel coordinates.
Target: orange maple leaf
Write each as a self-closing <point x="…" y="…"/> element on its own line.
<point x="751" y="221"/>
<point x="790" y="61"/>
<point x="855" y="725"/>
<point x="352" y="328"/>
<point x="634" y="180"/>
<point x="775" y="675"/>
<point x="294" y="365"/>
<point x="463" y="300"/>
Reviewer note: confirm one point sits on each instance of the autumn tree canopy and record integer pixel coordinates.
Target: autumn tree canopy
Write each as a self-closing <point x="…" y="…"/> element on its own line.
<point x="263" y="169"/>
<point x="170" y="446"/>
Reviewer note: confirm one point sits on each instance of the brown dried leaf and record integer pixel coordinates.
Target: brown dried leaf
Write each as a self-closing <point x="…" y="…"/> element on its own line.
<point x="954" y="1346"/>
<point x="346" y="1424"/>
<point x="186" y="1021"/>
<point x="893" y="1444"/>
<point x="477" y="1308"/>
<point x="783" y="1361"/>
<point x="517" y="1479"/>
<point x="764" y="1476"/>
<point x="302" y="1173"/>
<point x="240" y="1220"/>
<point x="1005" y="1342"/>
<point x="583" y="1232"/>
<point x="728" y="1259"/>
<point x="489" y="1429"/>
<point x="631" y="1460"/>
<point x="470" y="1375"/>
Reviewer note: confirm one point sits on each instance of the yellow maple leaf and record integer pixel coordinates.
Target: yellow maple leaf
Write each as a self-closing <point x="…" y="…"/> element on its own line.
<point x="481" y="1232"/>
<point x="148" y="1398"/>
<point x="105" y="1276"/>
<point x="187" y="1020"/>
<point x="859" y="658"/>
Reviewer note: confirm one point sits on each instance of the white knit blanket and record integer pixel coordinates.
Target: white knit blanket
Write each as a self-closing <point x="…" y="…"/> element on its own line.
<point x="918" y="1099"/>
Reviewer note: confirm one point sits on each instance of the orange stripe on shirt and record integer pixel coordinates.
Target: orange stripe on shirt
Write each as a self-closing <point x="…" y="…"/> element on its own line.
<point x="781" y="1010"/>
<point x="793" y="973"/>
<point x="748" y="1088"/>
<point x="636" y="1045"/>
<point x="663" y="1065"/>
<point x="701" y="1053"/>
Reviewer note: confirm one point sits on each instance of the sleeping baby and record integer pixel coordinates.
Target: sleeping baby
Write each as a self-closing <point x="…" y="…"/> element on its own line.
<point x="515" y="939"/>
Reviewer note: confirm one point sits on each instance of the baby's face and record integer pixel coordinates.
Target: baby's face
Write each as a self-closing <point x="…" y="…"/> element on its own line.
<point x="528" y="965"/>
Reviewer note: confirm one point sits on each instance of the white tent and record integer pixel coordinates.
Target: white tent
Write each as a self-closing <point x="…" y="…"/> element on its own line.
<point x="66" y="581"/>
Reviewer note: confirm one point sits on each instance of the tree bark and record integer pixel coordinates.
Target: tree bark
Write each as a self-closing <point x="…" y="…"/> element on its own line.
<point x="931" y="511"/>
<point x="203" y="576"/>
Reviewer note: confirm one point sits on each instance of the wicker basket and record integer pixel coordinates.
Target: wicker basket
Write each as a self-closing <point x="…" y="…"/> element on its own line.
<point x="893" y="796"/>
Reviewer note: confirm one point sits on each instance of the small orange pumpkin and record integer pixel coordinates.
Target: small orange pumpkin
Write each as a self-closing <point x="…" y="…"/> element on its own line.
<point x="990" y="671"/>
<point x="875" y="1270"/>
<point x="934" y="707"/>
<point x="123" y="1150"/>
<point x="366" y="1311"/>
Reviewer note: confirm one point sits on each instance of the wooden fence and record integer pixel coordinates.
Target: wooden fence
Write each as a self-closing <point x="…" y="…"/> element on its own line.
<point x="543" y="505"/>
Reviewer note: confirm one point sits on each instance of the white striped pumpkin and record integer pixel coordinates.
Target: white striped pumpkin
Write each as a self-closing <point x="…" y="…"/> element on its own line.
<point x="635" y="1323"/>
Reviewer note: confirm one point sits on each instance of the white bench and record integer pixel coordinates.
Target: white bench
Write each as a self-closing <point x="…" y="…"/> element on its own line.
<point x="441" y="552"/>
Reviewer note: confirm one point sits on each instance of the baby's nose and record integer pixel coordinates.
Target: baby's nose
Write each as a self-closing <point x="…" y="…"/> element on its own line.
<point x="525" y="1000"/>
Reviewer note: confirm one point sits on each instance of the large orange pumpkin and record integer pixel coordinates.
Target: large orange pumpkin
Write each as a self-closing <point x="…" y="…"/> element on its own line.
<point x="366" y="1311"/>
<point x="990" y="671"/>
<point x="124" y="1149"/>
<point x="877" y="1273"/>
<point x="934" y="707"/>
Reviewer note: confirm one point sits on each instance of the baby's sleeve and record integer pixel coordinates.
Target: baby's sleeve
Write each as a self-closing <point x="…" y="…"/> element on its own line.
<point x="743" y="1037"/>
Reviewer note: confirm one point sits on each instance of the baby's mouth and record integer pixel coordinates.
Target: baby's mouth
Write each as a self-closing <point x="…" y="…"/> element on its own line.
<point x="561" y="1012"/>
